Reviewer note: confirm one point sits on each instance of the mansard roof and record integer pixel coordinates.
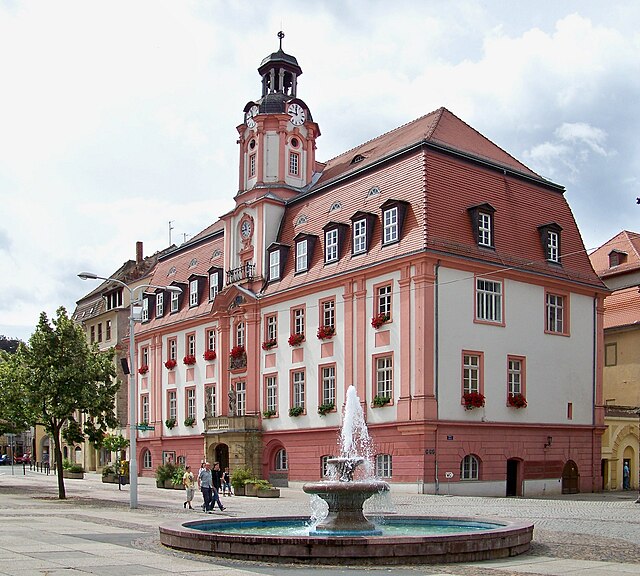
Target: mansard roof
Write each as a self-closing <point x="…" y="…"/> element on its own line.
<point x="625" y="242"/>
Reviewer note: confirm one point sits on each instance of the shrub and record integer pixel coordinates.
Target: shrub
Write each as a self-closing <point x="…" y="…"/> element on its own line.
<point x="189" y="421"/>
<point x="165" y="471"/>
<point x="296" y="410"/>
<point x="170" y="423"/>
<point x="380" y="401"/>
<point x="269" y="413"/>
<point x="239" y="475"/>
<point x="324" y="408"/>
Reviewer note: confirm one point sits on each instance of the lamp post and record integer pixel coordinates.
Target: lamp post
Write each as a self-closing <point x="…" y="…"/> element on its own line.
<point x="133" y="410"/>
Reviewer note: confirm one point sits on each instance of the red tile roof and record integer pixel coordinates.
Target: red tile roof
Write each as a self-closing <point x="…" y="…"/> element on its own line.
<point x="622" y="308"/>
<point x="627" y="242"/>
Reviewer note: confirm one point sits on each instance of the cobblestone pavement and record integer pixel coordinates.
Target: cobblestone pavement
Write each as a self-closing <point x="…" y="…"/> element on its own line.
<point x="95" y="532"/>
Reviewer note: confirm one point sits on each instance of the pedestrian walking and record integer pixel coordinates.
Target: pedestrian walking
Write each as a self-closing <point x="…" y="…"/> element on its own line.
<point x="216" y="476"/>
<point x="626" y="477"/>
<point x="189" y="483"/>
<point x="205" y="483"/>
<point x="226" y="483"/>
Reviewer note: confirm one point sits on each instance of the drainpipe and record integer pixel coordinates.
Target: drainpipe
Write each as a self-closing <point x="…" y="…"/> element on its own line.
<point x="436" y="368"/>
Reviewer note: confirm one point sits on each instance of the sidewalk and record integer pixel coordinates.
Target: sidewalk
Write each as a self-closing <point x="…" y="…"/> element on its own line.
<point x="95" y="532"/>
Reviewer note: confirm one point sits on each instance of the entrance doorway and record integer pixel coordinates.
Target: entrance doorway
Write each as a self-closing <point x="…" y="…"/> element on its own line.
<point x="221" y="455"/>
<point x="570" y="478"/>
<point x="513" y="485"/>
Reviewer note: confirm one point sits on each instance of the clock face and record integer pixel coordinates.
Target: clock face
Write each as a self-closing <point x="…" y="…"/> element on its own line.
<point x="249" y="116"/>
<point x="245" y="229"/>
<point x="297" y="113"/>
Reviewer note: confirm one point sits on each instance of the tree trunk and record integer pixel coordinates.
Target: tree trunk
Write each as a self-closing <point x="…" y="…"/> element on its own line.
<point x="57" y="451"/>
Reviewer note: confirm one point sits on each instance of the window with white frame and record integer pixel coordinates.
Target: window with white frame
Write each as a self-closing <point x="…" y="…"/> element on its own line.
<point x="144" y="357"/>
<point x="159" y="304"/>
<point x="555" y="305"/>
<point x="272" y="327"/>
<point x="191" y="344"/>
<point x="240" y="334"/>
<point x="384" y="376"/>
<point x="146" y="460"/>
<point x="470" y="373"/>
<point x="325" y="469"/>
<point x="553" y="246"/>
<point x="210" y="401"/>
<point x="484" y="229"/>
<point x="172" y="404"/>
<point x="191" y="402"/>
<point x="281" y="460"/>
<point x="241" y="398"/>
<point x="108" y="330"/>
<point x="144" y="408"/>
<point x="301" y="256"/>
<point x="211" y="339"/>
<point x="214" y="284"/>
<point x="331" y="245"/>
<point x="360" y="236"/>
<point x="271" y="395"/>
<point x="193" y="293"/>
<point x="390" y="225"/>
<point x="252" y="165"/>
<point x="469" y="468"/>
<point x="274" y="265"/>
<point x="383" y="299"/>
<point x="488" y="300"/>
<point x="328" y="375"/>
<point x="294" y="163"/>
<point x="298" y="321"/>
<point x="329" y="313"/>
<point x="173" y="348"/>
<point x="114" y="299"/>
<point x="384" y="466"/>
<point x="145" y="309"/>
<point x="174" y="301"/>
<point x="298" y="389"/>
<point x="515" y="375"/>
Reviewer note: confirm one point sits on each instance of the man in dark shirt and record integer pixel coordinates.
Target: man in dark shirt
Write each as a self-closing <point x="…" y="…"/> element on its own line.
<point x="205" y="483"/>
<point x="216" y="475"/>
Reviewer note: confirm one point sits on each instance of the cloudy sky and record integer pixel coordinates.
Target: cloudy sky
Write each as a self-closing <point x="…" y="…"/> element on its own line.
<point x="117" y="117"/>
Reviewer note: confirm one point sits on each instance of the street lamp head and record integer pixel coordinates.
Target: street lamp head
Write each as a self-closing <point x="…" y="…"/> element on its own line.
<point x="88" y="276"/>
<point x="174" y="289"/>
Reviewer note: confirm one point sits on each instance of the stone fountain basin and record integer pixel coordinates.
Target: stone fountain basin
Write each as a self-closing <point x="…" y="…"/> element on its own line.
<point x="508" y="538"/>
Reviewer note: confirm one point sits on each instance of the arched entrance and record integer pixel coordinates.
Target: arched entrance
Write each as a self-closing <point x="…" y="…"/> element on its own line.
<point x="220" y="454"/>
<point x="514" y="484"/>
<point x="570" y="478"/>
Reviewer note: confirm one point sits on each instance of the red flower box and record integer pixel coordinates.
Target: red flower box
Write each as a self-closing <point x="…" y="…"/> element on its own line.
<point x="209" y="355"/>
<point x="296" y="339"/>
<point x="268" y="344"/>
<point x="472" y="400"/>
<point x="189" y="359"/>
<point x="237" y="352"/>
<point x="326" y="332"/>
<point x="143" y="369"/>
<point x="170" y="364"/>
<point x="517" y="401"/>
<point x="380" y="319"/>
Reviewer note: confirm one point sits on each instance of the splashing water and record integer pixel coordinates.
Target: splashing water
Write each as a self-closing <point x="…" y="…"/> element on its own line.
<point x="355" y="441"/>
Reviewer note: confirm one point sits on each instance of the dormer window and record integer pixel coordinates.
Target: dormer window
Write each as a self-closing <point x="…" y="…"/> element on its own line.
<point x="277" y="258"/>
<point x="159" y="304"/>
<point x="215" y="281"/>
<point x="114" y="299"/>
<point x="616" y="257"/>
<point x="193" y="293"/>
<point x="393" y="215"/>
<point x="334" y="234"/>
<point x="304" y="251"/>
<point x="482" y="222"/>
<point x="357" y="158"/>
<point x="175" y="301"/>
<point x="362" y="224"/>
<point x="550" y="239"/>
<point x="145" y="309"/>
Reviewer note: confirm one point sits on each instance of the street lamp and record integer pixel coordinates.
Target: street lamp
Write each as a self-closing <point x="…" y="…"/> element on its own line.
<point x="133" y="316"/>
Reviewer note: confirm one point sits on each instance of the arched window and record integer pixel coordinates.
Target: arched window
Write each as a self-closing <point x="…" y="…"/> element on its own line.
<point x="469" y="468"/>
<point x="384" y="466"/>
<point x="281" y="460"/>
<point x="146" y="460"/>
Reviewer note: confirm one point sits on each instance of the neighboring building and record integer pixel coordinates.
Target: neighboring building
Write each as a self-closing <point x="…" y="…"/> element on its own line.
<point x="424" y="267"/>
<point x="618" y="264"/>
<point x="104" y="317"/>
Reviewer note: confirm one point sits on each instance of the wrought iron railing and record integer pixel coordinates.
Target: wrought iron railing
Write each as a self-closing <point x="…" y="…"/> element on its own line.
<point x="245" y="272"/>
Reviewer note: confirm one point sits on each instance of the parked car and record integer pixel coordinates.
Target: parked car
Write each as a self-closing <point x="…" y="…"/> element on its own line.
<point x="4" y="459"/>
<point x="24" y="459"/>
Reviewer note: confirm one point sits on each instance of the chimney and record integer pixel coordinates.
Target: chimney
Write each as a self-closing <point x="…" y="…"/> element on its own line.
<point x="139" y="256"/>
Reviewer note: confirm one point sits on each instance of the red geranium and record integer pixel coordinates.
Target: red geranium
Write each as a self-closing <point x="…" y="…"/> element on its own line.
<point x="379" y="319"/>
<point x="143" y="369"/>
<point x="170" y="364"/>
<point x="473" y="400"/>
<point x="326" y="332"/>
<point x="189" y="359"/>
<point x="209" y="355"/>
<point x="296" y="339"/>
<point x="237" y="352"/>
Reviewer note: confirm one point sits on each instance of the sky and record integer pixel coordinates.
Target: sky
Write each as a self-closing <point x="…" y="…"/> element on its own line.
<point x="118" y="117"/>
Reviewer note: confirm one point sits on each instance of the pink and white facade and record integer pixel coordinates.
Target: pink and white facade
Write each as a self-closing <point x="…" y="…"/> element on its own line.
<point x="421" y="266"/>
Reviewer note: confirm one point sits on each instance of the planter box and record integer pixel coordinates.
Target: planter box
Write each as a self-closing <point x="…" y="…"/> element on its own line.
<point x="168" y="484"/>
<point x="159" y="483"/>
<point x="238" y="491"/>
<point x="268" y="493"/>
<point x="113" y="479"/>
<point x="250" y="489"/>
<point x="73" y="475"/>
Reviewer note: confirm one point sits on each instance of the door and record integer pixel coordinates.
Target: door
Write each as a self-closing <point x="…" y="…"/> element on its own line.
<point x="513" y="486"/>
<point x="570" y="478"/>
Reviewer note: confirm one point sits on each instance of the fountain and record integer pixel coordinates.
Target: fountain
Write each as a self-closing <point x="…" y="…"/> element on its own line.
<point x="345" y="535"/>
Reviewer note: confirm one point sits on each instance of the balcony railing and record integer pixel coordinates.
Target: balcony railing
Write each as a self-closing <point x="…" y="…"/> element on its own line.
<point x="245" y="272"/>
<point x="231" y="423"/>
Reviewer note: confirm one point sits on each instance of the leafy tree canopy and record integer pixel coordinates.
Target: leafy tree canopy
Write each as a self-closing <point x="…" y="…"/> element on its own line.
<point x="9" y="345"/>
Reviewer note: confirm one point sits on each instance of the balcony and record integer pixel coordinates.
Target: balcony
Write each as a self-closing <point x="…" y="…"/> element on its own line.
<point x="221" y="424"/>
<point x="242" y="273"/>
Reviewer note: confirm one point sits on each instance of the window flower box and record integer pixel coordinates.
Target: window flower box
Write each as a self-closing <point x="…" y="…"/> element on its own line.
<point x="143" y="369"/>
<point x="268" y="413"/>
<point x="189" y="360"/>
<point x="268" y="344"/>
<point x="296" y="410"/>
<point x="517" y="401"/>
<point x="326" y="332"/>
<point x="380" y="401"/>
<point x="380" y="319"/>
<point x="170" y="364"/>
<point x="189" y="421"/>
<point x="209" y="355"/>
<point x="296" y="339"/>
<point x="170" y="423"/>
<point x="237" y="352"/>
<point x="472" y="400"/>
<point x="324" y="408"/>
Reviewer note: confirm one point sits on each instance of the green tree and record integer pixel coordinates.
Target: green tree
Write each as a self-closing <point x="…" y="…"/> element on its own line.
<point x="15" y="416"/>
<point x="69" y="386"/>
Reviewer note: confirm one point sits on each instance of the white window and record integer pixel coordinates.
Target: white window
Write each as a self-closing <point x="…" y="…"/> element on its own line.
<point x="210" y="401"/>
<point x="469" y="468"/>
<point x="272" y="393"/>
<point x="471" y="373"/>
<point x="159" y="304"/>
<point x="172" y="400"/>
<point x="298" y="321"/>
<point x="214" y="284"/>
<point x="555" y="313"/>
<point x="193" y="293"/>
<point x="390" y="225"/>
<point x="174" y="301"/>
<point x="145" y="309"/>
<point x="272" y="327"/>
<point x="329" y="313"/>
<point x="252" y="165"/>
<point x="274" y="265"/>
<point x="488" y="300"/>
<point x="384" y="299"/>
<point x="384" y="376"/>
<point x="145" y="357"/>
<point x="173" y="349"/>
<point x="484" y="229"/>
<point x="294" y="163"/>
<point x="298" y="389"/>
<point x="191" y="403"/>
<point x="144" y="408"/>
<point x="240" y="334"/>
<point x="211" y="339"/>
<point x="146" y="460"/>
<point x="553" y="247"/>
<point x="329" y="385"/>
<point x="359" y="236"/>
<point x="191" y="344"/>
<point x="241" y="398"/>
<point x="514" y="376"/>
<point x="384" y="468"/>
<point x="281" y="460"/>
<point x="331" y="245"/>
<point x="301" y="256"/>
<point x="114" y="300"/>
